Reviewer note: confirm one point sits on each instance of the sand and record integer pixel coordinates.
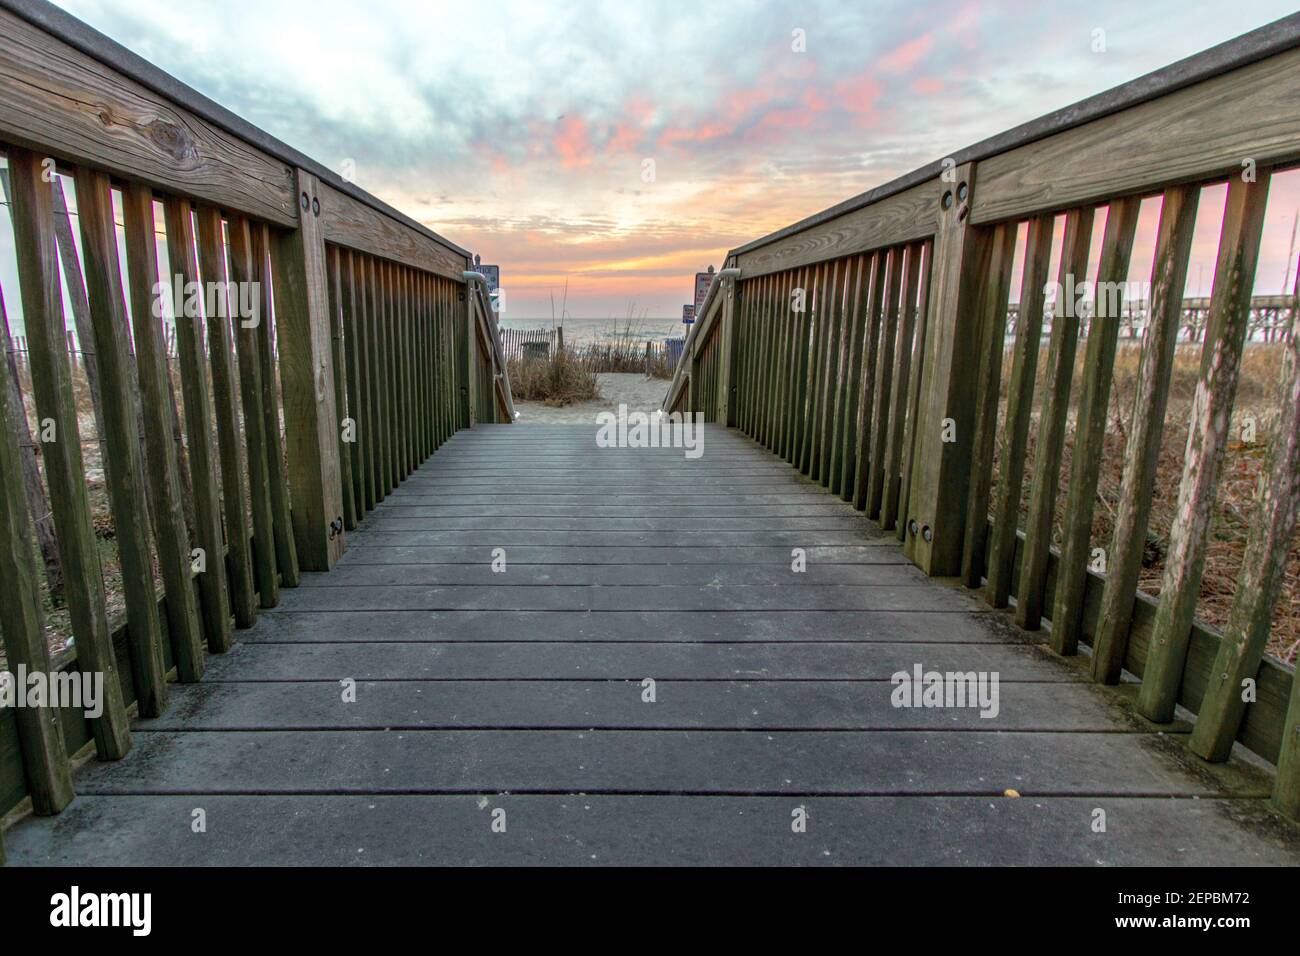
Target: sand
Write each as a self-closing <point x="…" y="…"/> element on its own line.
<point x="633" y="389"/>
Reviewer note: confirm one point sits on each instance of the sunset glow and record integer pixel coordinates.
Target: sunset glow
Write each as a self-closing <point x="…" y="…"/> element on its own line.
<point x="620" y="148"/>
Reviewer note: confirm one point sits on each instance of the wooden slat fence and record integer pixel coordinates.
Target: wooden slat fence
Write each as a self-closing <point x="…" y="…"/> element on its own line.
<point x="336" y="345"/>
<point x="867" y="345"/>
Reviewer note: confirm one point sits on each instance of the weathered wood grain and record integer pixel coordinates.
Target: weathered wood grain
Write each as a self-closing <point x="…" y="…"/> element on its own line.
<point x="1262" y="574"/>
<point x="58" y="100"/>
<point x="1090" y="427"/>
<point x="33" y="488"/>
<point x="1142" y="450"/>
<point x="904" y="217"/>
<point x="884" y="382"/>
<point x="353" y="350"/>
<point x="844" y="434"/>
<point x="32" y="214"/>
<point x="123" y="465"/>
<point x="346" y="222"/>
<point x="875" y="310"/>
<point x="251" y="394"/>
<point x="40" y="729"/>
<point x="1052" y="421"/>
<point x="171" y="536"/>
<point x="286" y="553"/>
<point x="347" y="420"/>
<point x="939" y="490"/>
<point x="213" y="590"/>
<point x="1234" y="278"/>
<point x="306" y="376"/>
<point x="1197" y="133"/>
<point x="899" y="393"/>
<point x="225" y="404"/>
<point x="988" y="383"/>
<point x="911" y="426"/>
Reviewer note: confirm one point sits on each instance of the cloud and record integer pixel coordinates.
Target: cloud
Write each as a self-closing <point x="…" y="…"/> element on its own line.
<point x="520" y="131"/>
<point x="906" y="55"/>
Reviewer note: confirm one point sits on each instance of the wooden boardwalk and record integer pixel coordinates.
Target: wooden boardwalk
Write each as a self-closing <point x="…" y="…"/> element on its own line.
<point x="523" y="690"/>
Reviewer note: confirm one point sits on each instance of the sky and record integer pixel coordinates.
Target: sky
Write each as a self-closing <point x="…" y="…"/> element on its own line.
<point x="614" y="149"/>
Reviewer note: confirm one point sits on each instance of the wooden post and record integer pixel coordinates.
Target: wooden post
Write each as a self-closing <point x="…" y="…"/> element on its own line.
<point x="212" y="266"/>
<point x="170" y="532"/>
<point x="867" y="384"/>
<point x="215" y="603"/>
<point x="1263" y="571"/>
<point x="355" y="386"/>
<point x="1090" y="427"/>
<point x="40" y="733"/>
<point x="256" y="444"/>
<point x="465" y="357"/>
<point x="306" y="374"/>
<point x="1020" y="399"/>
<point x="378" y="380"/>
<point x="1234" y="277"/>
<point x="123" y="464"/>
<point x="286" y="555"/>
<point x="1142" y="451"/>
<point x="946" y="424"/>
<point x="369" y="421"/>
<point x="992" y="318"/>
<point x="914" y="395"/>
<point x="728" y="400"/>
<point x="829" y="371"/>
<point x="1075" y="244"/>
<point x="884" y="384"/>
<point x="32" y="213"/>
<point x="913" y="287"/>
<point x="339" y="303"/>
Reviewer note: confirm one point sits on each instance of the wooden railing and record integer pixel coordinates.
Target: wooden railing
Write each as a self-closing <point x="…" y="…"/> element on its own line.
<point x="366" y="338"/>
<point x="866" y="346"/>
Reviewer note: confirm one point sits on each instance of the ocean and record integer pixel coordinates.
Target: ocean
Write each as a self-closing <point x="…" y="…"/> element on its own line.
<point x="582" y="331"/>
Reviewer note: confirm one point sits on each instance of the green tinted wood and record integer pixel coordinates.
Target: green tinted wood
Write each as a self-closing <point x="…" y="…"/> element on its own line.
<point x="209" y="563"/>
<point x="40" y="729"/>
<point x="124" y="467"/>
<point x="1142" y="448"/>
<point x="171" y="535"/>
<point x="1052" y="422"/>
<point x="251" y="392"/>
<point x="1090" y="428"/>
<point x="32" y="214"/>
<point x="212" y="266"/>
<point x="1234" y="279"/>
<point x="286" y="552"/>
<point x="993" y="329"/>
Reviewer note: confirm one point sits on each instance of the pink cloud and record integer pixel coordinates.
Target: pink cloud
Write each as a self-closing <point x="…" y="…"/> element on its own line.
<point x="859" y="94"/>
<point x="927" y="85"/>
<point x="573" y="142"/>
<point x="906" y="55"/>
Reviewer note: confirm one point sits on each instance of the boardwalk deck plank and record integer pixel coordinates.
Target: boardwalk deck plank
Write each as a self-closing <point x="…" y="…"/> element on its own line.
<point x="523" y="689"/>
<point x="682" y="830"/>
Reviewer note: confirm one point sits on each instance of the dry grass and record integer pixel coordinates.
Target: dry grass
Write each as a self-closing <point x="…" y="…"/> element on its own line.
<point x="560" y="379"/>
<point x="629" y="350"/>
<point x="1236" y="501"/>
